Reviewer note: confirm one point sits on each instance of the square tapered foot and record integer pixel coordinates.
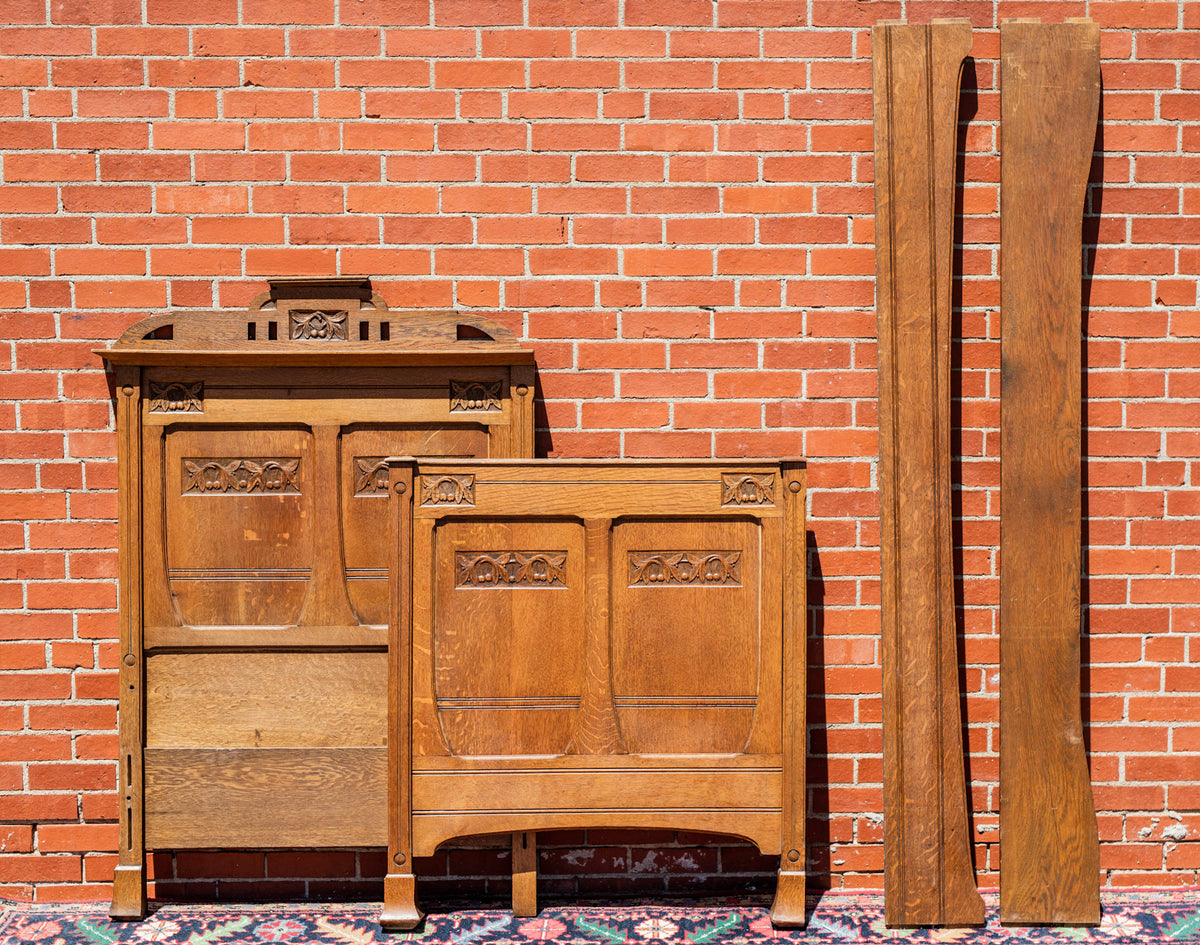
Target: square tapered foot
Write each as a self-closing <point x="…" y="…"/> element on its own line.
<point x="129" y="894"/>
<point x="787" y="911"/>
<point x="524" y="874"/>
<point x="400" y="912"/>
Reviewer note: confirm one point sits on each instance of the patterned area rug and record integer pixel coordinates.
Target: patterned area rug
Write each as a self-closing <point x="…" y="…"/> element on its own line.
<point x="1129" y="917"/>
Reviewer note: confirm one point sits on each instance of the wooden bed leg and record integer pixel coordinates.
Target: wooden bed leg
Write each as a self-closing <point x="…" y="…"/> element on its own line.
<point x="524" y="874"/>
<point x="787" y="909"/>
<point x="1049" y="841"/>
<point x="129" y="877"/>
<point x="400" y="911"/>
<point x="129" y="893"/>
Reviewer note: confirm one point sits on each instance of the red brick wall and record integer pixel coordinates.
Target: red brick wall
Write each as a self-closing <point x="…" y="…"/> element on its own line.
<point x="671" y="202"/>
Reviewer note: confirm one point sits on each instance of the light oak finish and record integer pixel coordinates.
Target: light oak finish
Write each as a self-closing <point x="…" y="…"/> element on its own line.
<point x="928" y="872"/>
<point x="253" y="557"/>
<point x="1049" y="845"/>
<point x="608" y="643"/>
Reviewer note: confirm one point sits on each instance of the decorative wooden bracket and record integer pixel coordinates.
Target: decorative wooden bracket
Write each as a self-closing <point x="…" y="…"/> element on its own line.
<point x="1049" y="846"/>
<point x="928" y="873"/>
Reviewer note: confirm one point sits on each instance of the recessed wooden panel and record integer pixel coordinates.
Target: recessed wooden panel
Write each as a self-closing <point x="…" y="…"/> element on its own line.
<point x="364" y="453"/>
<point x="508" y="634"/>
<point x="238" y="510"/>
<point x="1049" y="841"/>
<point x="268" y="700"/>
<point x="265" y="797"/>
<point x="685" y="634"/>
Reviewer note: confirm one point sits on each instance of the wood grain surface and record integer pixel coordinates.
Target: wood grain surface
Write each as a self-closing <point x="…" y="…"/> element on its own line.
<point x="605" y="644"/>
<point x="1049" y="848"/>
<point x="928" y="870"/>
<point x="263" y="797"/>
<point x="253" y="555"/>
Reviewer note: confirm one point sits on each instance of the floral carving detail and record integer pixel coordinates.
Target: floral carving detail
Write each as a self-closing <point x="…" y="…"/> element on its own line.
<point x="666" y="568"/>
<point x="242" y="475"/>
<point x="448" y="490"/>
<point x="475" y="395"/>
<point x="371" y="477"/>
<point x="511" y="569"/>
<point x="177" y="397"/>
<point x="738" y="489"/>
<point x="317" y="325"/>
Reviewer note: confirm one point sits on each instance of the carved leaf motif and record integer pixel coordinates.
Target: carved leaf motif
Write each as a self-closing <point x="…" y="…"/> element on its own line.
<point x="318" y="325"/>
<point x="511" y="569"/>
<point x="448" y="490"/>
<point x="666" y="568"/>
<point x="475" y="395"/>
<point x="241" y="475"/>
<point x="738" y="489"/>
<point x="372" y="475"/>
<point x="177" y="396"/>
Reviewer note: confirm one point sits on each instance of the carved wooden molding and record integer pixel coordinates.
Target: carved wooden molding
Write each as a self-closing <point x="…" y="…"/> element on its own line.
<point x="318" y="324"/>
<point x="448" y="490"/>
<point x="475" y="395"/>
<point x="370" y="476"/>
<point x="738" y="489"/>
<point x="280" y="476"/>
<point x="177" y="397"/>
<point x="668" y="568"/>
<point x="1049" y="840"/>
<point x="511" y="569"/>
<point x="929" y="877"/>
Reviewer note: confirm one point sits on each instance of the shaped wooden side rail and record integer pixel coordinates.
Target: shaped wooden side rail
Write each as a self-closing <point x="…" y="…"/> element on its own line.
<point x="928" y="872"/>
<point x="1049" y="846"/>
<point x="596" y="644"/>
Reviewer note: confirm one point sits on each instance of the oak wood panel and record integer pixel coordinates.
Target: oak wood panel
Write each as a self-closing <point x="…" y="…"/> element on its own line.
<point x="264" y="556"/>
<point x="629" y="788"/>
<point x="267" y="700"/>
<point x="364" y="491"/>
<point x="263" y="797"/>
<point x="507" y="674"/>
<point x="675" y="689"/>
<point x="707" y="536"/>
<point x="928" y="872"/>
<point x="1049" y="847"/>
<point x="238" y="511"/>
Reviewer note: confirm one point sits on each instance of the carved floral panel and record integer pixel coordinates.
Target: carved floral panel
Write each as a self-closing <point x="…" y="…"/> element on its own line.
<point x="177" y="397"/>
<point x="511" y="569"/>
<point x="278" y="476"/>
<point x="667" y="568"/>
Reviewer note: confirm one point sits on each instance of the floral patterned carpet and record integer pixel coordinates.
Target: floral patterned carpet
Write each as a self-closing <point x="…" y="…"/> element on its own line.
<point x="1129" y="917"/>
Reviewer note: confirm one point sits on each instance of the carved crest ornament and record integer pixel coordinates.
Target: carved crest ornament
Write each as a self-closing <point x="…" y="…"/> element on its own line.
<point x="739" y="489"/>
<point x="475" y="395"/>
<point x="318" y="324"/>
<point x="370" y="475"/>
<point x="177" y="397"/>
<point x="448" y="490"/>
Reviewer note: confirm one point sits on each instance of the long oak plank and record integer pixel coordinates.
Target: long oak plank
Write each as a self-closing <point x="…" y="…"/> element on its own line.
<point x="928" y="872"/>
<point x="1049" y="846"/>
